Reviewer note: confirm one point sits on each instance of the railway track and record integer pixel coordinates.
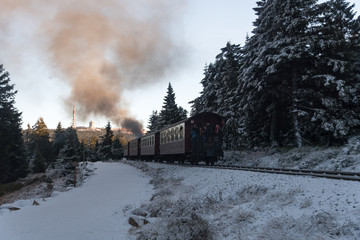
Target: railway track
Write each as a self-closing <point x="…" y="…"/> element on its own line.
<point x="339" y="175"/>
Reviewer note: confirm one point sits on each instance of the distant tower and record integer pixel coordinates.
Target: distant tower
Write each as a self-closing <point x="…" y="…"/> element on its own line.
<point x="74" y="123"/>
<point x="92" y="125"/>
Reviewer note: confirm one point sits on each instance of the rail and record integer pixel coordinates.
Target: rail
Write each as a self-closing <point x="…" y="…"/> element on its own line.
<point x="339" y="175"/>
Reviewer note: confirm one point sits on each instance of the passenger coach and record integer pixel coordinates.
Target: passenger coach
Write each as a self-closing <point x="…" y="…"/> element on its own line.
<point x="174" y="142"/>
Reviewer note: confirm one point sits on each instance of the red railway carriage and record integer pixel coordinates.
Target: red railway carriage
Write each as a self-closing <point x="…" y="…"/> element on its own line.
<point x="126" y="150"/>
<point x="134" y="149"/>
<point x="149" y="146"/>
<point x="176" y="142"/>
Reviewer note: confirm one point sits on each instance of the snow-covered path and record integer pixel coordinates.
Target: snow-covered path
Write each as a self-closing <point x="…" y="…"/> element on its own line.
<point x="93" y="211"/>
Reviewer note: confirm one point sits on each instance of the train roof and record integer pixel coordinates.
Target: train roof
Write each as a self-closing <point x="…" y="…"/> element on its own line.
<point x="177" y="123"/>
<point x="187" y="119"/>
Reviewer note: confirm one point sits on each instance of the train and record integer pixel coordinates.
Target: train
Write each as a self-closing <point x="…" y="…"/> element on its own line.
<point x="195" y="139"/>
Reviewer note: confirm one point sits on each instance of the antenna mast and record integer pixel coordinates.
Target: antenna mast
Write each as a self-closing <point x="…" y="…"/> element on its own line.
<point x="74" y="123"/>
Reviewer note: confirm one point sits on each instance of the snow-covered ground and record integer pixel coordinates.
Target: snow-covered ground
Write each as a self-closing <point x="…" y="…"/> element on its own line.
<point x="344" y="158"/>
<point x="93" y="211"/>
<point x="181" y="202"/>
<point x="200" y="203"/>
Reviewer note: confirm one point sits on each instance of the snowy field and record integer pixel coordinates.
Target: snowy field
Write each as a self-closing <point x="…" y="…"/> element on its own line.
<point x="180" y="202"/>
<point x="92" y="212"/>
<point x="199" y="203"/>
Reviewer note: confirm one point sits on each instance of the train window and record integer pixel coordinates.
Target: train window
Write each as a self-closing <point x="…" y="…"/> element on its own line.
<point x="181" y="132"/>
<point x="172" y="135"/>
<point x="177" y="133"/>
<point x="167" y="136"/>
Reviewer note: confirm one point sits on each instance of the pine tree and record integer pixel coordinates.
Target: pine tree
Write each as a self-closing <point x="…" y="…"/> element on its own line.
<point x="208" y="95"/>
<point x="271" y="72"/>
<point x="13" y="162"/>
<point x="154" y="122"/>
<point x="38" y="162"/>
<point x="182" y="114"/>
<point x="105" y="148"/>
<point x="169" y="109"/>
<point x="59" y="139"/>
<point x="117" y="149"/>
<point x="41" y="137"/>
<point x="335" y="78"/>
<point x="170" y="112"/>
<point x="71" y="151"/>
<point x="219" y="85"/>
<point x="196" y="105"/>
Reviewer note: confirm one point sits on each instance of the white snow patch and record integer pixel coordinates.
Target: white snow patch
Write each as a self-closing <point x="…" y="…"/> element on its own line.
<point x="93" y="211"/>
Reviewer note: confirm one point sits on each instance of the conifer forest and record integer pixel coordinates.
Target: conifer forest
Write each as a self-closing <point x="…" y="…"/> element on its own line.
<point x="294" y="82"/>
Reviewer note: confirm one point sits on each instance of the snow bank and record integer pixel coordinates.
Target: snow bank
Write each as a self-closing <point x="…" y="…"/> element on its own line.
<point x="189" y="203"/>
<point x="202" y="203"/>
<point x="345" y="158"/>
<point x="94" y="211"/>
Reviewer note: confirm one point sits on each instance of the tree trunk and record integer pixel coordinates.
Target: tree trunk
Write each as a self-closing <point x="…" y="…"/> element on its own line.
<point x="274" y="128"/>
<point x="297" y="132"/>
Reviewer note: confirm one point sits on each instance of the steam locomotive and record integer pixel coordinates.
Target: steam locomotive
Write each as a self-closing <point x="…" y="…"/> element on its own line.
<point x="191" y="139"/>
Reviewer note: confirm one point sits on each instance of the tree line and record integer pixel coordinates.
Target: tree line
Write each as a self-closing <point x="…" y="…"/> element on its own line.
<point x="34" y="150"/>
<point x="295" y="81"/>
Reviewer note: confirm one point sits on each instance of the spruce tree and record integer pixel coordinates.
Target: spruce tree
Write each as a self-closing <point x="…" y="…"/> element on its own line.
<point x="13" y="162"/>
<point x="71" y="151"/>
<point x="170" y="112"/>
<point x="154" y="122"/>
<point x="117" y="149"/>
<point x="208" y="97"/>
<point x="219" y="86"/>
<point x="38" y="162"/>
<point x="105" y="148"/>
<point x="41" y="138"/>
<point x="59" y="139"/>
<point x="169" y="109"/>
<point x="271" y="72"/>
<point x="335" y="78"/>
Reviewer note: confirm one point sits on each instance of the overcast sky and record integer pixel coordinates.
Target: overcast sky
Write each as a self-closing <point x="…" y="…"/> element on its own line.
<point x="197" y="30"/>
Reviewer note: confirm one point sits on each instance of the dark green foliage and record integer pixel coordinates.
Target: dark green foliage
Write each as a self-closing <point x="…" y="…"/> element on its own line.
<point x="117" y="149"/>
<point x="154" y="121"/>
<point x="40" y="138"/>
<point x="72" y="151"/>
<point x="297" y="77"/>
<point x="38" y="163"/>
<point x="59" y="139"/>
<point x="104" y="152"/>
<point x="219" y="86"/>
<point x="170" y="113"/>
<point x="13" y="162"/>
